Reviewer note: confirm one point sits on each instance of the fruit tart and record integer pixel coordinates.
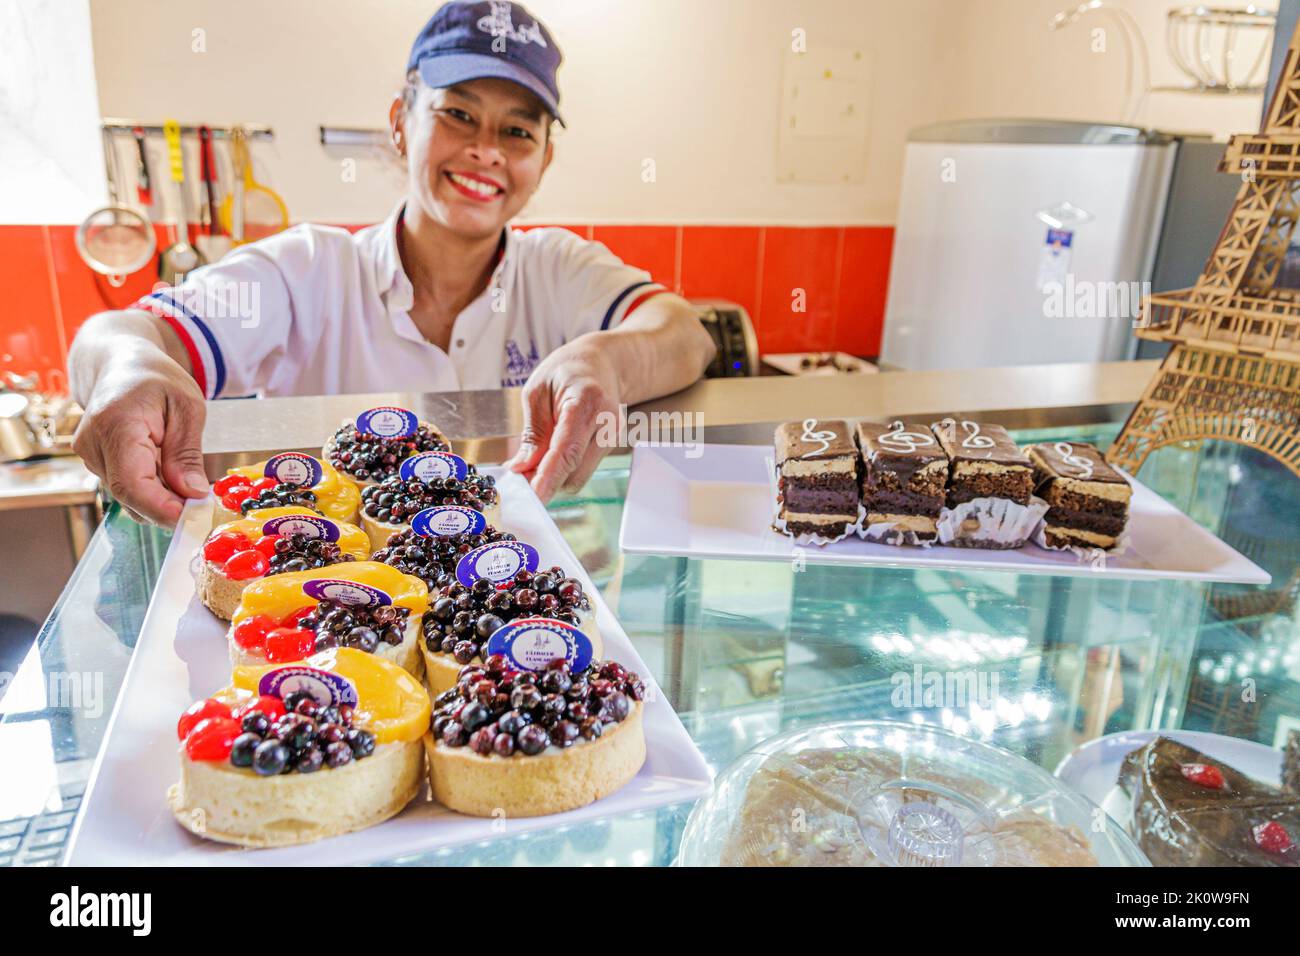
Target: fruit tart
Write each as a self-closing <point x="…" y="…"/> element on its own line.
<point x="276" y="541"/>
<point x="524" y="737"/>
<point x="375" y="444"/>
<point x="363" y="605"/>
<point x="285" y="480"/>
<point x="463" y="615"/>
<point x="291" y="753"/>
<point x="436" y="541"/>
<point x="390" y="506"/>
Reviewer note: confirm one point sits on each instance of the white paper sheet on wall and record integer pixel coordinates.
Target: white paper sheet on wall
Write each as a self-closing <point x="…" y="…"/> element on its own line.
<point x="826" y="96"/>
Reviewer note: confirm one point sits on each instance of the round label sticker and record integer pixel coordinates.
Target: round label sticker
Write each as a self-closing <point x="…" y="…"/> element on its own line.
<point x="345" y="592"/>
<point x="305" y="525"/>
<point x="444" y="520"/>
<point x="388" y="421"/>
<point x="294" y="468"/>
<point x="498" y="561"/>
<point x="433" y="464"/>
<point x="327" y="688"/>
<point x="531" y="643"/>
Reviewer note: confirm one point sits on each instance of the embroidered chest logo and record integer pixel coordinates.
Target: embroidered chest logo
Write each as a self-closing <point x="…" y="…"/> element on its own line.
<point x="499" y="24"/>
<point x="519" y="365"/>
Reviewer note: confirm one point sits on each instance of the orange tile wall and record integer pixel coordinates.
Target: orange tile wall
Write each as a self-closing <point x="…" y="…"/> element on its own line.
<point x="805" y="288"/>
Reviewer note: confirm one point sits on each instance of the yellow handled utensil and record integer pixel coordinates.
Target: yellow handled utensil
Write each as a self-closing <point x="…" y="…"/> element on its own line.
<point x="250" y="210"/>
<point x="179" y="257"/>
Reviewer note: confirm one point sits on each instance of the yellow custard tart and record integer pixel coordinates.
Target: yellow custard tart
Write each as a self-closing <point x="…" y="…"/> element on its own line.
<point x="362" y="605"/>
<point x="295" y="752"/>
<point x="286" y="480"/>
<point x="274" y="541"/>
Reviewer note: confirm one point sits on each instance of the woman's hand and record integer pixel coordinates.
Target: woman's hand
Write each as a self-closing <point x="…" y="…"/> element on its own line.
<point x="142" y="433"/>
<point x="571" y="398"/>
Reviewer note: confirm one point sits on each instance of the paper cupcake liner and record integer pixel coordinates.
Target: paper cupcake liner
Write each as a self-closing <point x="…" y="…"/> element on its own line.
<point x="1000" y="523"/>
<point x="887" y="532"/>
<point x="779" y="524"/>
<point x="1122" y="543"/>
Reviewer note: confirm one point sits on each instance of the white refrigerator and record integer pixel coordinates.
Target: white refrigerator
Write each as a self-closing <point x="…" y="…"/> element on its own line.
<point x="1021" y="242"/>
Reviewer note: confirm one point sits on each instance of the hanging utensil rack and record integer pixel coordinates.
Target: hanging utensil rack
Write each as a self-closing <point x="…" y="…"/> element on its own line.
<point x="115" y="124"/>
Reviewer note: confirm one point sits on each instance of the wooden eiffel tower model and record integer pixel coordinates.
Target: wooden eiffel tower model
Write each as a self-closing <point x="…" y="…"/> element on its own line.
<point x="1234" y="370"/>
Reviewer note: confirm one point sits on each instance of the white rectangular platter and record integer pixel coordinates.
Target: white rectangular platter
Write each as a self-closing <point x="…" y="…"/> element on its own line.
<point x="716" y="501"/>
<point x="181" y="657"/>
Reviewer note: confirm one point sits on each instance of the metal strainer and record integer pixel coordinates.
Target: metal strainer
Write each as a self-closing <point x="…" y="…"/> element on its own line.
<point x="116" y="239"/>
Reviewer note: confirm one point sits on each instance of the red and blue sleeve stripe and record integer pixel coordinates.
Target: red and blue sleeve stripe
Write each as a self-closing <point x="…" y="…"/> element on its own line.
<point x="634" y="295"/>
<point x="200" y="344"/>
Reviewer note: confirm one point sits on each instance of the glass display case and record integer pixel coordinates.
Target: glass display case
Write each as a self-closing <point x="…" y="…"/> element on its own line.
<point x="748" y="650"/>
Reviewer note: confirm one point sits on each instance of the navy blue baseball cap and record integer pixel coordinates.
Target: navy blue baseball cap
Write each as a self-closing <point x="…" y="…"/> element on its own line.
<point x="478" y="40"/>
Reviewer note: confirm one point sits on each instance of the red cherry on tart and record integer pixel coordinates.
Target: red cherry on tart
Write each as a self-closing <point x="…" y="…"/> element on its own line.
<point x="228" y="484"/>
<point x="250" y="633"/>
<point x="272" y="707"/>
<point x="198" y="712"/>
<point x="266" y="545"/>
<point x="289" y="644"/>
<point x="212" y="738"/>
<point x="243" y="565"/>
<point x="222" y="545"/>
<point x="1271" y="837"/>
<point x="1203" y="775"/>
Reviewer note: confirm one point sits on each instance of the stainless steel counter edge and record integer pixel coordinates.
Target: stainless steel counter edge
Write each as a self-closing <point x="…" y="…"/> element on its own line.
<point x="486" y="425"/>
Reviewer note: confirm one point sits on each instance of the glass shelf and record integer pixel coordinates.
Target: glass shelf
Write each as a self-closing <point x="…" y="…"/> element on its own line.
<point x="746" y="650"/>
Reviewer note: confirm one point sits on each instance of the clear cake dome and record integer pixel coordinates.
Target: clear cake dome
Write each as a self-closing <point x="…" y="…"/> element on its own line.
<point x="885" y="793"/>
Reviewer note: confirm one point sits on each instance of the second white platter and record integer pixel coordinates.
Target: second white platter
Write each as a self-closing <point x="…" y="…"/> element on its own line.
<point x="716" y="501"/>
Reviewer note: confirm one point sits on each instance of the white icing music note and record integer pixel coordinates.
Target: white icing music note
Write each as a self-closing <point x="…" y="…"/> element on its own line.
<point x="1066" y="451"/>
<point x="975" y="439"/>
<point x="811" y="436"/>
<point x="901" y="440"/>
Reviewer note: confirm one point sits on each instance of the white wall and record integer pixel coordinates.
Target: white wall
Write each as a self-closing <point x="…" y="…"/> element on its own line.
<point x="693" y="84"/>
<point x="51" y="160"/>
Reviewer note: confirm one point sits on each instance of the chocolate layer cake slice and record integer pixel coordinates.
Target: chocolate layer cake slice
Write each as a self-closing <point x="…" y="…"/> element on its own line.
<point x="1088" y="498"/>
<point x="1191" y="810"/>
<point x="817" y="477"/>
<point x="904" y="474"/>
<point x="984" y="463"/>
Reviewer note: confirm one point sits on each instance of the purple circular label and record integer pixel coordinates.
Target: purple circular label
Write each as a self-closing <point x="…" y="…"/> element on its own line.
<point x="388" y="421"/>
<point x="327" y="688"/>
<point x="345" y="592"/>
<point x="294" y="468"/>
<point x="306" y="525"/>
<point x="433" y="464"/>
<point x="498" y="561"/>
<point x="444" y="520"/>
<point x="531" y="643"/>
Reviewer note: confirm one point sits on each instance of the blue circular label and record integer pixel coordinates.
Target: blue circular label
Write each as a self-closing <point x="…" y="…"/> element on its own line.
<point x="531" y="643"/>
<point x="327" y="688"/>
<point x="345" y="592"/>
<point x="498" y="561"/>
<point x="388" y="421"/>
<point x="294" y="468"/>
<point x="306" y="525"/>
<point x="433" y="464"/>
<point x="444" y="520"/>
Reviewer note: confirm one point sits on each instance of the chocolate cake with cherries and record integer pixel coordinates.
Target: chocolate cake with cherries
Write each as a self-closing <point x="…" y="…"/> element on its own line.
<point x="1087" y="498"/>
<point x="904" y="475"/>
<point x="817" y="478"/>
<point x="1191" y="810"/>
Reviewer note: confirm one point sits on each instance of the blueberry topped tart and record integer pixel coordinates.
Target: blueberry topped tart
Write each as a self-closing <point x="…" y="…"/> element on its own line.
<point x="461" y="618"/>
<point x="389" y="506"/>
<point x="532" y="742"/>
<point x="433" y="559"/>
<point x="370" y="456"/>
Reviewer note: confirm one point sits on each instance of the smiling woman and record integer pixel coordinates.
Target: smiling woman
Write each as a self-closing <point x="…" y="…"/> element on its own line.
<point x="441" y="296"/>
